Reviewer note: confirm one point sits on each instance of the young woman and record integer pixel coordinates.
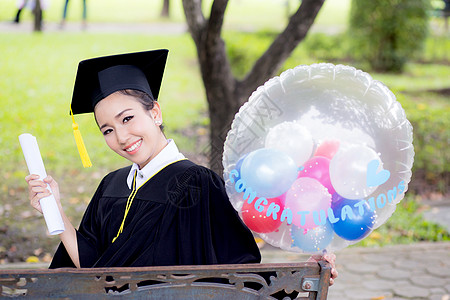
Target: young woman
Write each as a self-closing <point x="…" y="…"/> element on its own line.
<point x="161" y="210"/>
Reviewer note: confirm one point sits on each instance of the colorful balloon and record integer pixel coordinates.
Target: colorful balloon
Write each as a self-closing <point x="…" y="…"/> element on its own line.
<point x="350" y="119"/>
<point x="262" y="218"/>
<point x="312" y="240"/>
<point x="268" y="172"/>
<point x="309" y="202"/>
<point x="238" y="167"/>
<point x="356" y="219"/>
<point x="318" y="168"/>
<point x="293" y="139"/>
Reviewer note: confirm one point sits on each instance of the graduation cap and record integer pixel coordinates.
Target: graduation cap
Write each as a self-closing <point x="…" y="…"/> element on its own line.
<point x="99" y="77"/>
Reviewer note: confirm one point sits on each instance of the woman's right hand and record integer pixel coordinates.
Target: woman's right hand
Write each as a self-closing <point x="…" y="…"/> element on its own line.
<point x="37" y="189"/>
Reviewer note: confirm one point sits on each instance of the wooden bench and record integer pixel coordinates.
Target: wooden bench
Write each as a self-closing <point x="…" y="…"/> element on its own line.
<point x="310" y="279"/>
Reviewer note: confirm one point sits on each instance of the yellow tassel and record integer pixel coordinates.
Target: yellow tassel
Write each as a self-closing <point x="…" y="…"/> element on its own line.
<point x="80" y="144"/>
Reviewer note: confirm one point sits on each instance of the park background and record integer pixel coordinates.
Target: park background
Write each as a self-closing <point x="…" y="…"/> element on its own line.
<point x="37" y="72"/>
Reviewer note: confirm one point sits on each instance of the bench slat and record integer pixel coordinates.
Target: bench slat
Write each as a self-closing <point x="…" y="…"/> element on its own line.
<point x="243" y="281"/>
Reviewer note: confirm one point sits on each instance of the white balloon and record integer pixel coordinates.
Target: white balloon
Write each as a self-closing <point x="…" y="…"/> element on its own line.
<point x="348" y="171"/>
<point x="293" y="139"/>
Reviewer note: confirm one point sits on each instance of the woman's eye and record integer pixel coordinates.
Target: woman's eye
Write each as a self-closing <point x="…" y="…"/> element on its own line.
<point x="126" y="119"/>
<point x="107" y="131"/>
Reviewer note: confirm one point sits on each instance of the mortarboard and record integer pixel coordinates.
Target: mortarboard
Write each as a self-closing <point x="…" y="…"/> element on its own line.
<point x="99" y="77"/>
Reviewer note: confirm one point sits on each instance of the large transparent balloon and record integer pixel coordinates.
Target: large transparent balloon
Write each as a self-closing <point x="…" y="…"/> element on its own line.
<point x="318" y="158"/>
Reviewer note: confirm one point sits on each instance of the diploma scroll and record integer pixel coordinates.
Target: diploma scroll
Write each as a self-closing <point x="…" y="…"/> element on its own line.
<point x="35" y="165"/>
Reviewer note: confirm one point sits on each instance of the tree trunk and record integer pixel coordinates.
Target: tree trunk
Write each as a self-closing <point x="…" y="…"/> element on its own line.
<point x="165" y="9"/>
<point x="224" y="93"/>
<point x="37" y="11"/>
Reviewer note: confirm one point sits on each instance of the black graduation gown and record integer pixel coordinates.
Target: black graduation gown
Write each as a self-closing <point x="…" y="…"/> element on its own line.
<point x="181" y="216"/>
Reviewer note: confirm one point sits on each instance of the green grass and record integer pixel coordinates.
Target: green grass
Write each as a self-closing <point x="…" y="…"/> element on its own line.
<point x="418" y="77"/>
<point x="37" y="85"/>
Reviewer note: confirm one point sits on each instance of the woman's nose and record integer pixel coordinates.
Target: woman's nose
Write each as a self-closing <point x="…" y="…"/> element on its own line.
<point x="121" y="136"/>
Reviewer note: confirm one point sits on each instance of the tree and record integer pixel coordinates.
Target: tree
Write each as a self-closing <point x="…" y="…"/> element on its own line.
<point x="165" y="9"/>
<point x="225" y="94"/>
<point x="37" y="12"/>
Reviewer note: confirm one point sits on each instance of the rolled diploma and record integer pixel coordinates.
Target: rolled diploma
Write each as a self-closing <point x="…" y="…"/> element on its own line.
<point x="35" y="165"/>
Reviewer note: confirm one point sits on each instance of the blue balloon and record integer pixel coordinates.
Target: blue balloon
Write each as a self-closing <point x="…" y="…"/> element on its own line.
<point x="312" y="240"/>
<point x="268" y="172"/>
<point x="238" y="167"/>
<point x="356" y="219"/>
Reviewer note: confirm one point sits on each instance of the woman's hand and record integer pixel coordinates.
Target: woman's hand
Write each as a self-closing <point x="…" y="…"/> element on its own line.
<point x="329" y="257"/>
<point x="37" y="189"/>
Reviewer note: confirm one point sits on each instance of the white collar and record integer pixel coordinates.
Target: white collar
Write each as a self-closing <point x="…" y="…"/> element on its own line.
<point x="168" y="155"/>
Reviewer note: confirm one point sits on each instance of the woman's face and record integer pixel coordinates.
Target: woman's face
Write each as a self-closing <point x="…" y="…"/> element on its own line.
<point x="129" y="129"/>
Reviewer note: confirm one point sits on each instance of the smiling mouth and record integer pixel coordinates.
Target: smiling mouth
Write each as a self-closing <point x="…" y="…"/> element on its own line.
<point x="133" y="148"/>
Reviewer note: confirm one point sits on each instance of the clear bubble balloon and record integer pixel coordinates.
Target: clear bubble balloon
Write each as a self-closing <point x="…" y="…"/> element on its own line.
<point x="335" y="112"/>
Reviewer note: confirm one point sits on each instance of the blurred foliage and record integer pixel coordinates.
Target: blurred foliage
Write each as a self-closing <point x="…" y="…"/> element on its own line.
<point x="387" y="33"/>
<point x="243" y="49"/>
<point x="431" y="140"/>
<point x="437" y="49"/>
<point x="329" y="48"/>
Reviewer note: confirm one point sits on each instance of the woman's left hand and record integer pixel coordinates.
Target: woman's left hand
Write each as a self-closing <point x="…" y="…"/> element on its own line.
<point x="329" y="257"/>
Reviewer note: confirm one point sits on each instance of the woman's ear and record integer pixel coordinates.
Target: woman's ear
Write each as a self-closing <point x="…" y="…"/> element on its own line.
<point x="156" y="113"/>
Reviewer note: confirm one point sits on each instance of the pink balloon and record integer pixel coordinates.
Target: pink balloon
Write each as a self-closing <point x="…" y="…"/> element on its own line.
<point x="308" y="197"/>
<point x="318" y="168"/>
<point x="328" y="148"/>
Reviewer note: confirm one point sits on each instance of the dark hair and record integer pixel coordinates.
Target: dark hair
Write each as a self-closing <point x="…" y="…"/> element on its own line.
<point x="145" y="99"/>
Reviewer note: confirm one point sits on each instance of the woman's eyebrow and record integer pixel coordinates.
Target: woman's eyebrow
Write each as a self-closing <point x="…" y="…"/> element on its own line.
<point x="117" y="116"/>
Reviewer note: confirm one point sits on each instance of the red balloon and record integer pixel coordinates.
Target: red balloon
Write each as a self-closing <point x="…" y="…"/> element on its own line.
<point x="328" y="148"/>
<point x="259" y="221"/>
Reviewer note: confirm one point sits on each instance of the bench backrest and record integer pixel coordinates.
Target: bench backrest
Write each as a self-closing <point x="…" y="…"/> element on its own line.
<point x="246" y="281"/>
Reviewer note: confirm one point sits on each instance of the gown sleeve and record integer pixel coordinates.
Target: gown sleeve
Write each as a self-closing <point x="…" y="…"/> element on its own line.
<point x="203" y="227"/>
<point x="87" y="237"/>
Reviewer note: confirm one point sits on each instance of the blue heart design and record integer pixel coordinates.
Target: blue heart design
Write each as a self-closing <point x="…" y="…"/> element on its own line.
<point x="374" y="178"/>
